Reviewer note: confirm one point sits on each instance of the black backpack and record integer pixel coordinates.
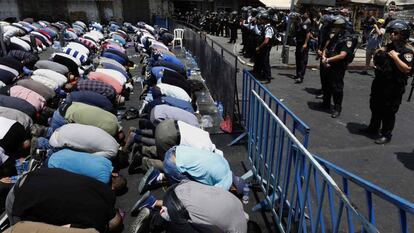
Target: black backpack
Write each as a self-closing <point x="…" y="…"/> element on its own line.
<point x="274" y="40"/>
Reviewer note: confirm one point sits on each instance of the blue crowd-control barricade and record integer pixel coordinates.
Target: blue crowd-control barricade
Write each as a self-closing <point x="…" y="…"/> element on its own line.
<point x="383" y="209"/>
<point x="299" y="128"/>
<point x="295" y="185"/>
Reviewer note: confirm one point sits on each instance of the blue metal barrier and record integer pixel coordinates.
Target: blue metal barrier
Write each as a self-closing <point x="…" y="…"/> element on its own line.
<point x="403" y="208"/>
<point x="294" y="183"/>
<point x="299" y="128"/>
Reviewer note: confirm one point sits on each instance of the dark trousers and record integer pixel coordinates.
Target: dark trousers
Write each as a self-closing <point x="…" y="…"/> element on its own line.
<point x="322" y="76"/>
<point x="158" y="225"/>
<point x="383" y="111"/>
<point x="261" y="66"/>
<point x="233" y="34"/>
<point x="301" y="56"/>
<point x="334" y="86"/>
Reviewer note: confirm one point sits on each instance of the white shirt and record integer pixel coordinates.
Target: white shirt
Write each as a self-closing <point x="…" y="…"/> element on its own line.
<point x="269" y="31"/>
<point x="10" y="31"/>
<point x="118" y="76"/>
<point x="20" y="42"/>
<point x="45" y="81"/>
<point x="174" y="91"/>
<point x="58" y="78"/>
<point x="79" y="47"/>
<point x="5" y="125"/>
<point x="196" y="137"/>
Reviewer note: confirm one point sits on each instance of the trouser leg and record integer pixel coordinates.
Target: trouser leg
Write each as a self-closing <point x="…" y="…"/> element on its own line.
<point x="266" y="64"/>
<point x="338" y="88"/>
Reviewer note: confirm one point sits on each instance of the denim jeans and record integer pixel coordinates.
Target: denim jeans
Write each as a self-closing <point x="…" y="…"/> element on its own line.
<point x="170" y="168"/>
<point x="56" y="122"/>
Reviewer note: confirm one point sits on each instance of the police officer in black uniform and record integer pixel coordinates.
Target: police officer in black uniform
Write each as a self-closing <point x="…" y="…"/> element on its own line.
<point x="233" y="26"/>
<point x="262" y="63"/>
<point x="323" y="37"/>
<point x="335" y="58"/>
<point x="302" y="34"/>
<point x="393" y="65"/>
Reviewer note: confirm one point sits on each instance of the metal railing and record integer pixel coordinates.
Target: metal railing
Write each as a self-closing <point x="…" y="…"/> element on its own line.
<point x="218" y="66"/>
<point x="294" y="183"/>
<point x="299" y="128"/>
<point x="401" y="209"/>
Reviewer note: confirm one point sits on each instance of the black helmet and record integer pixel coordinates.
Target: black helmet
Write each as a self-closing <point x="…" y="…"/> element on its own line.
<point x="264" y="15"/>
<point x="400" y="26"/>
<point x="339" y="21"/>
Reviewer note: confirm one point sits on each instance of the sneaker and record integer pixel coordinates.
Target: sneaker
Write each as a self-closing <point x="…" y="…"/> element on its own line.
<point x="319" y="96"/>
<point x="38" y="130"/>
<point x="382" y="140"/>
<point x="149" y="179"/>
<point x="298" y="80"/>
<point x="146" y="201"/>
<point x="129" y="140"/>
<point x="141" y="223"/>
<point x="335" y="114"/>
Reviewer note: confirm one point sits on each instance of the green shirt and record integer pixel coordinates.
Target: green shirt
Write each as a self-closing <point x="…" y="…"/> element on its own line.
<point x="90" y="115"/>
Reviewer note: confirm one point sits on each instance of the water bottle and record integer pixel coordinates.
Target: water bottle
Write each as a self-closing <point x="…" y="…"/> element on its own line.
<point x="246" y="193"/>
<point x="220" y="108"/>
<point x="56" y="45"/>
<point x="19" y="167"/>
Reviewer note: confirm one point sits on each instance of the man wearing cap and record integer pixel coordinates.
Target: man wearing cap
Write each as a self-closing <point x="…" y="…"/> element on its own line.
<point x="374" y="42"/>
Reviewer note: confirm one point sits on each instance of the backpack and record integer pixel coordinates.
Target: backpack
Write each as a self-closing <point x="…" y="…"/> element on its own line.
<point x="275" y="38"/>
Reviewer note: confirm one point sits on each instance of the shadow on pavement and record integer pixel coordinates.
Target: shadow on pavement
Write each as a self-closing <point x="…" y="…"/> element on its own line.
<point x="407" y="159"/>
<point x="360" y="73"/>
<point x="291" y="76"/>
<point x="313" y="91"/>
<point x="317" y="106"/>
<point x="357" y="129"/>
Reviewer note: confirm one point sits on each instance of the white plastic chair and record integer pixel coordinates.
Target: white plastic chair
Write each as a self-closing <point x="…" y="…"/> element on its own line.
<point x="178" y="37"/>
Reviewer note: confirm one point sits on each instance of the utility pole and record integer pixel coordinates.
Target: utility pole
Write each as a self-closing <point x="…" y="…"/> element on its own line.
<point x="285" y="49"/>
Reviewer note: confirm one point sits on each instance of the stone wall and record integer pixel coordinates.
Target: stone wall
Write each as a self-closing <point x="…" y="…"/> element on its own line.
<point x="9" y="8"/>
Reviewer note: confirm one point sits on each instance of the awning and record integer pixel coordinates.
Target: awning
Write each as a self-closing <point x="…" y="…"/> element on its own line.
<point x="278" y="4"/>
<point x="384" y="2"/>
<point x="285" y="4"/>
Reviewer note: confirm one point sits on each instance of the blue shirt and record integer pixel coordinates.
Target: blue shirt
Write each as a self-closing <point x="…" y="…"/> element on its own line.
<point x="158" y="71"/>
<point x="172" y="59"/>
<point x="204" y="166"/>
<point x="114" y="57"/>
<point x="178" y="103"/>
<point x="91" y="98"/>
<point x="81" y="163"/>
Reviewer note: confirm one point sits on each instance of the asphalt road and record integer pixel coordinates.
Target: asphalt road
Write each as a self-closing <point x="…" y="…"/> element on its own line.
<point x="389" y="166"/>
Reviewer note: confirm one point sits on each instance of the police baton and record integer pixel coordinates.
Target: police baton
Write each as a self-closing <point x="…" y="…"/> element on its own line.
<point x="411" y="91"/>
